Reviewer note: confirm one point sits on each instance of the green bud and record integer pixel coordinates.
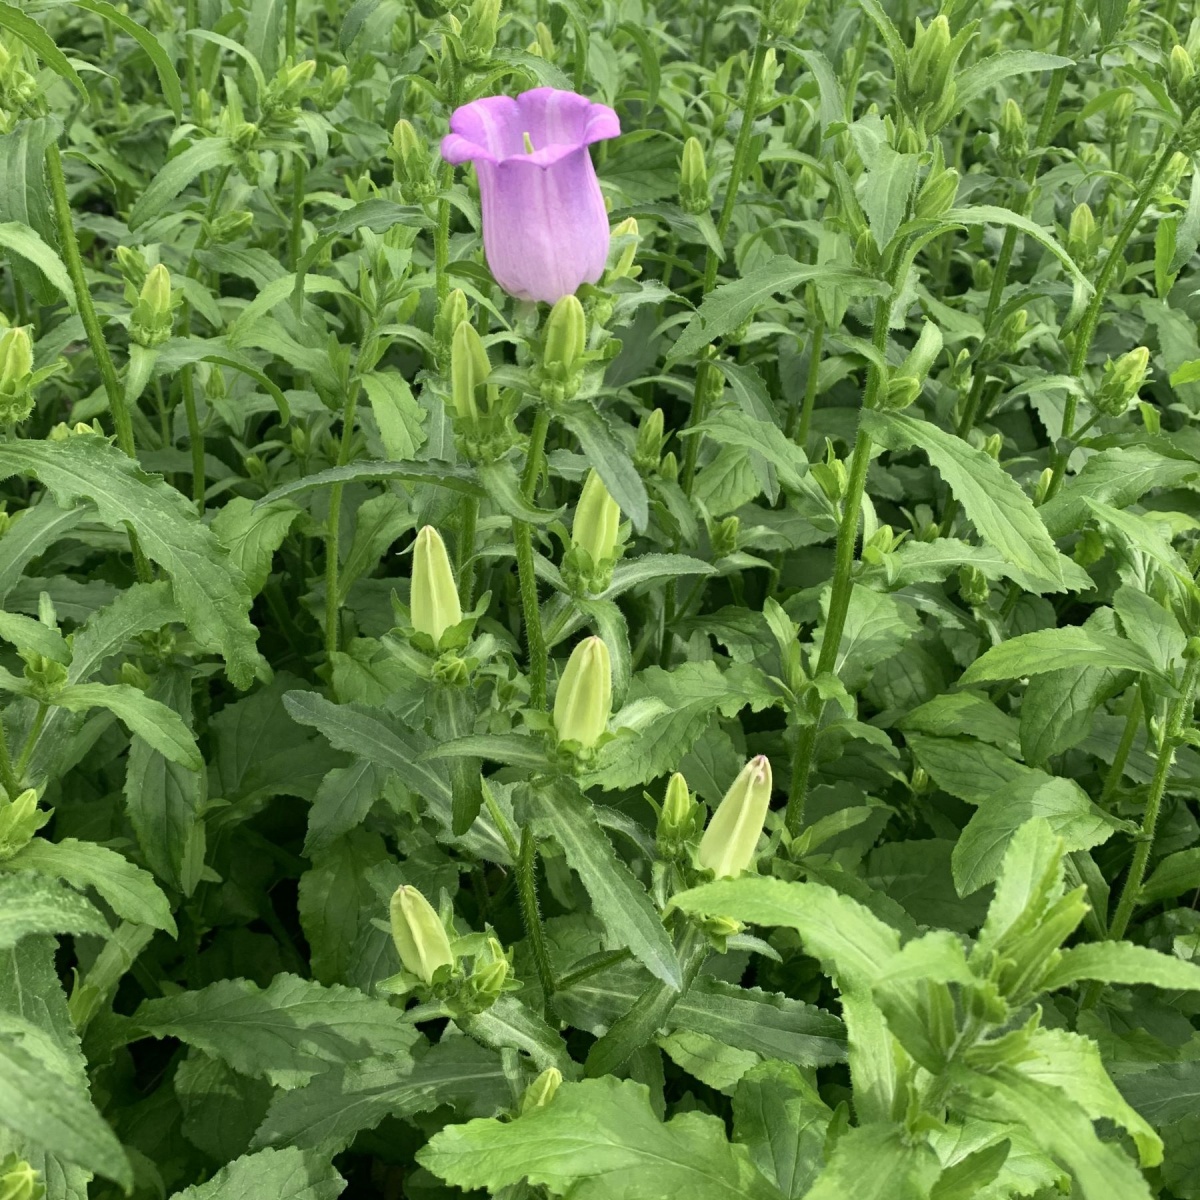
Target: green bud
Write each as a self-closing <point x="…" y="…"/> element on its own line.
<point x="469" y="369"/>
<point x="1122" y="381"/>
<point x="202" y="112"/>
<point x="20" y="819"/>
<point x="626" y="232"/>
<point x="937" y="194"/>
<point x="729" y="843"/>
<point x="244" y="135"/>
<point x="132" y="265"/>
<point x="565" y="336"/>
<point x="152" y="319"/>
<point x="993" y="445"/>
<point x="693" y="179"/>
<point x="648" y="448"/>
<point x="597" y="520"/>
<point x="973" y="586"/>
<point x="419" y="934"/>
<point x="541" y="1091"/>
<point x="489" y="974"/>
<point x="725" y="536"/>
<point x="1177" y="167"/>
<point x="668" y="469"/>
<point x="1042" y="487"/>
<point x="543" y="44"/>
<point x="16" y="375"/>
<point x="434" y="597"/>
<point x="410" y="164"/>
<point x="925" y="58"/>
<point x="1011" y="135"/>
<point x="1181" y="71"/>
<point x="19" y="1181"/>
<point x="905" y="385"/>
<point x="229" y="227"/>
<point x="785" y="17"/>
<point x="584" y="699"/>
<point x="333" y="87"/>
<point x="479" y="29"/>
<point x="679" y="818"/>
<point x="1083" y="237"/>
<point x="450" y="315"/>
<point x="1011" y="332"/>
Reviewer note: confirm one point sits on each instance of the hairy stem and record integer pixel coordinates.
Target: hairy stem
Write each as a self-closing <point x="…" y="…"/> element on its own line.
<point x="535" y="635"/>
<point x="531" y="914"/>
<point x="333" y="531"/>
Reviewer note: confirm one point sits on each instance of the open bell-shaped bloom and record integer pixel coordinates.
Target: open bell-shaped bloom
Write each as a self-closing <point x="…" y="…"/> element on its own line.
<point x="545" y="228"/>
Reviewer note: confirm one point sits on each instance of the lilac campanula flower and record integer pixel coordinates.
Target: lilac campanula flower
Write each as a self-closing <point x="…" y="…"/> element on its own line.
<point x="545" y="228"/>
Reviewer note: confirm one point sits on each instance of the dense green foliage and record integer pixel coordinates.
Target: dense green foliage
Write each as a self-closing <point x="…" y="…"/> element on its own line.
<point x="379" y="648"/>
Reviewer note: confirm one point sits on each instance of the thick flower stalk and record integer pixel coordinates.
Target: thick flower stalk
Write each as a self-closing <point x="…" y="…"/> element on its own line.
<point x="545" y="228"/>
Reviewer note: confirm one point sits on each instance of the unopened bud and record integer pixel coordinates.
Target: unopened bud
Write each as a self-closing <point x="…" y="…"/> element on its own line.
<point x="19" y="1181"/>
<point x="151" y="322"/>
<point x="648" y="449"/>
<point x="1181" y="72"/>
<point x="563" y="344"/>
<point x="725" y="536"/>
<point x="479" y="29"/>
<point x="597" y="520"/>
<point x="489" y="974"/>
<point x="693" y="178"/>
<point x="785" y="17"/>
<point x="925" y="58"/>
<point x="1122" y="381"/>
<point x="543" y="43"/>
<point x="229" y="227"/>
<point x="20" y="819"/>
<point x="668" y="468"/>
<point x="937" y="194"/>
<point x="469" y="369"/>
<point x="202" y="109"/>
<point x="333" y="87"/>
<point x="1012" y="138"/>
<point x="973" y="586"/>
<point x="1042" y="488"/>
<point x="244" y="136"/>
<point x="679" y="818"/>
<point x="729" y="843"/>
<point x="993" y="445"/>
<point x="419" y="934"/>
<point x="1083" y="237"/>
<point x="450" y="315"/>
<point x="410" y="163"/>
<point x="16" y="375"/>
<point x="434" y="603"/>
<point x="905" y="385"/>
<point x="626" y="232"/>
<point x="584" y="699"/>
<point x="541" y="1091"/>
<point x="1011" y="332"/>
<point x="1177" y="167"/>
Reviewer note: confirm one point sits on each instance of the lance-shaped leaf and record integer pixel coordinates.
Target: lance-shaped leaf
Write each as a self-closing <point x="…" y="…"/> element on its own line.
<point x="1057" y="649"/>
<point x="287" y="1174"/>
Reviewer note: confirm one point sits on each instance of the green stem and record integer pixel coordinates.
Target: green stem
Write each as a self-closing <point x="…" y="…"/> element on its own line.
<point x="601" y="963"/>
<point x="296" y="232"/>
<point x="31" y="738"/>
<point x="535" y="635"/>
<point x="91" y="324"/>
<point x="532" y="916"/>
<point x="8" y="777"/>
<point x="289" y="30"/>
<point x="1115" y="772"/>
<point x="333" y="531"/>
<point x="1179" y="716"/>
<point x="468" y="515"/>
<point x="441" y="237"/>
<point x="815" y="340"/>
<point x="195" y="438"/>
<point x="741" y="155"/>
<point x="1091" y="317"/>
<point x="843" y="585"/>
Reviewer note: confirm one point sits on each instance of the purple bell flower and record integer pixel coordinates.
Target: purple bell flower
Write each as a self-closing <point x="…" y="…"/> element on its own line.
<point x="545" y="229"/>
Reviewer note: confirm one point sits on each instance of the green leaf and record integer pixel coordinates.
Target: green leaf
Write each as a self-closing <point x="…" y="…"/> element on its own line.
<point x="608" y="455"/>
<point x="458" y="479"/>
<point x="967" y="713"/>
<point x="500" y="481"/>
<point x="732" y="303"/>
<point x="1001" y="512"/>
<point x="877" y="627"/>
<point x="40" y="1102"/>
<point x="976" y="79"/>
<point x="852" y="944"/>
<point x="1122" y="962"/>
<point x="507" y="1023"/>
<point x="287" y="1174"/>
<point x="287" y="1033"/>
<point x="157" y="725"/>
<point x="31" y="903"/>
<point x="340" y="1103"/>
<point x="210" y="592"/>
<point x="205" y="155"/>
<point x="598" y="1139"/>
<point x="1174" y="875"/>
<point x="1062" y="802"/>
<point x="966" y="768"/>
<point x="779" y="1117"/>
<point x="342" y="803"/>
<point x="1056" y="650"/>
<point x="27" y="634"/>
<point x="730" y="426"/>
<point x="1030" y="881"/>
<point x="648" y="568"/>
<point x="130" y="891"/>
<point x="252" y="533"/>
<point x="618" y="899"/>
<point x="40" y="526"/>
<point x="397" y="414"/>
<point x="40" y="42"/>
<point x="877" y="1162"/>
<point x="168" y="77"/>
<point x="20" y="239"/>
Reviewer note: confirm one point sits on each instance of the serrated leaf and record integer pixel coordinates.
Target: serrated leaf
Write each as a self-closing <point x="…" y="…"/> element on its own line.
<point x="31" y="903"/>
<point x="287" y="1174"/>
<point x="20" y="239"/>
<point x="205" y="155"/>
<point x="596" y="1135"/>
<point x="1122" y="962"/>
<point x="976" y="79"/>
<point x="1056" y="650"/>
<point x="252" y="534"/>
<point x="875" y="1162"/>
<point x="210" y="592"/>
<point x="158" y="726"/>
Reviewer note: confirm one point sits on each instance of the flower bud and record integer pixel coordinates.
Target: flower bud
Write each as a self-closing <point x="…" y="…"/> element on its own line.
<point x="229" y="227"/>
<point x="434" y="597"/>
<point x="1119" y="114"/>
<point x="450" y="315"/>
<point x="1122" y="381"/>
<point x="469" y="369"/>
<point x="925" y="58"/>
<point x="202" y="109"/>
<point x="333" y="87"/>
<point x="1011" y="135"/>
<point x="489" y="974"/>
<point x="1181" y="71"/>
<point x="668" y="469"/>
<point x="244" y="135"/>
<point x="541" y="1091"/>
<point x="937" y="194"/>
<point x="785" y="17"/>
<point x="1083" y="237"/>
<point x="597" y="520"/>
<point x="563" y="344"/>
<point x="410" y="163"/>
<point x="1177" y="167"/>
<point x="725" y="536"/>
<point x="627" y="232"/>
<point x="648" y="448"/>
<point x="905" y="385"/>
<point x="20" y="819"/>
<point x="1042" y="487"/>
<point x="584" y="699"/>
<point x="973" y="586"/>
<point x="993" y="445"/>
<point x="479" y="29"/>
<point x="680" y="817"/>
<point x="419" y="934"/>
<point x="18" y="1180"/>
<point x="1011" y="332"/>
<point x="728" y="845"/>
<point x="16" y="375"/>
<point x="151" y="322"/>
<point x="693" y="179"/>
